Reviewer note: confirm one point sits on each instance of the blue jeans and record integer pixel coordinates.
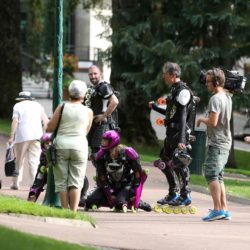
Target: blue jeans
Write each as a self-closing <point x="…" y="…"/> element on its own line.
<point x="215" y="163"/>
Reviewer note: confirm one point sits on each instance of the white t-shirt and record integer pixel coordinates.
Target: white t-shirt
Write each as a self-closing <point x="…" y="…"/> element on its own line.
<point x="29" y="115"/>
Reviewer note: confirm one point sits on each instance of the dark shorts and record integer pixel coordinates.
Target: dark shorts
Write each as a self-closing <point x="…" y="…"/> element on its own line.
<point x="215" y="163"/>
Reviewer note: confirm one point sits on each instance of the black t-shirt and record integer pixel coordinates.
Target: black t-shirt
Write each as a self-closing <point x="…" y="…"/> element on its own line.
<point x="99" y="99"/>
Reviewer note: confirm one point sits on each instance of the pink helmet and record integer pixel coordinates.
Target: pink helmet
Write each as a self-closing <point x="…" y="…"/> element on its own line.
<point x="113" y="137"/>
<point x="46" y="137"/>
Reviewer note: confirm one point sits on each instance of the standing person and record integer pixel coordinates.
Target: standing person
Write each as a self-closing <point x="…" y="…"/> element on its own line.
<point x="103" y="102"/>
<point x="28" y="121"/>
<point x="219" y="142"/>
<point x="72" y="145"/>
<point x="174" y="157"/>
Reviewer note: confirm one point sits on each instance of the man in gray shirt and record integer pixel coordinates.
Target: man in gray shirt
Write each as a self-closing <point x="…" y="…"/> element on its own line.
<point x="219" y="142"/>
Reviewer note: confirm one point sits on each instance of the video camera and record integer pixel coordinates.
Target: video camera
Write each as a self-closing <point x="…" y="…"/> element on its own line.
<point x="233" y="81"/>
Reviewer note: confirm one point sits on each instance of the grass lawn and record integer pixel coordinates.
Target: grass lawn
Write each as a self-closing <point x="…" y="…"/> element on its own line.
<point x="11" y="204"/>
<point x="233" y="187"/>
<point x="13" y="240"/>
<point x="5" y="126"/>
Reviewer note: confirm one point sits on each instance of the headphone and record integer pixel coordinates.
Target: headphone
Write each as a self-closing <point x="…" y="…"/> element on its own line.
<point x="216" y="82"/>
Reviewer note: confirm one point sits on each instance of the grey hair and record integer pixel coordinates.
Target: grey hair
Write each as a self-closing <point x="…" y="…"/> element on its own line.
<point x="77" y="89"/>
<point x="172" y="68"/>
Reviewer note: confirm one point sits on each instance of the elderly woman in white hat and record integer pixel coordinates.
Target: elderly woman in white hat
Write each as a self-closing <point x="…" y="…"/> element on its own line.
<point x="27" y="125"/>
<point x="71" y="144"/>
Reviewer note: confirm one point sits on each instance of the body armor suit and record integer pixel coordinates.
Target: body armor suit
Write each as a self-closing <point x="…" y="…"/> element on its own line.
<point x="179" y="121"/>
<point x="97" y="99"/>
<point x="116" y="178"/>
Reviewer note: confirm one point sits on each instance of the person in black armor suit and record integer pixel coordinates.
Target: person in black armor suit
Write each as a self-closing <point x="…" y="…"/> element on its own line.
<point x="102" y="100"/>
<point x="174" y="157"/>
<point x="119" y="176"/>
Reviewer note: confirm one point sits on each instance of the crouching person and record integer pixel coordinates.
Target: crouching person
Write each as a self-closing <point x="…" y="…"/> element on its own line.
<point x="119" y="175"/>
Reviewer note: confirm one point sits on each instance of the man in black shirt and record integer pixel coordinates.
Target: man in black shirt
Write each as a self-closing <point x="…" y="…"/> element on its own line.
<point x="102" y="100"/>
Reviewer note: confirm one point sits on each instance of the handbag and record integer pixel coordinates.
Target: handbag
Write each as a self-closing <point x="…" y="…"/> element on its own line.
<point x="10" y="162"/>
<point x="51" y="151"/>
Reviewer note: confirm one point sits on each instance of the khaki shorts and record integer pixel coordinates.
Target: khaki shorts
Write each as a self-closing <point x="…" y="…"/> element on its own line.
<point x="70" y="169"/>
<point x="215" y="163"/>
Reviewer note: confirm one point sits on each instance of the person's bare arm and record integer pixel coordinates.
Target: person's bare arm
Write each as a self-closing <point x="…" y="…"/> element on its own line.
<point x="247" y="139"/>
<point x="90" y="115"/>
<point x="211" y="121"/>
<point x="52" y="124"/>
<point x="45" y="120"/>
<point x="13" y="130"/>
<point x="113" y="102"/>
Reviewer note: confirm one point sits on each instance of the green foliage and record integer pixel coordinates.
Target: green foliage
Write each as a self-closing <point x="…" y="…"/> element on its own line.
<point x="10" y="204"/>
<point x="12" y="239"/>
<point x="5" y="126"/>
<point x="242" y="158"/>
<point x="237" y="171"/>
<point x="196" y="34"/>
<point x="10" y="61"/>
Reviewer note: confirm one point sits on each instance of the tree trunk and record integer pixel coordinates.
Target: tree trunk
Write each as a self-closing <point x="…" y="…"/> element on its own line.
<point x="10" y="58"/>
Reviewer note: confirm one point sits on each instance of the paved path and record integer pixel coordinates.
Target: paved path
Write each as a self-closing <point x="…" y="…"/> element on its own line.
<point x="141" y="230"/>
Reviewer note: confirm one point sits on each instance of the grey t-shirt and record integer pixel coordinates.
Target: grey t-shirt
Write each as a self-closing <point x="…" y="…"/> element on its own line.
<point x="220" y="136"/>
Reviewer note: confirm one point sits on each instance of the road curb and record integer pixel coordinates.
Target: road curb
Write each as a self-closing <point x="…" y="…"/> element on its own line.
<point x="54" y="220"/>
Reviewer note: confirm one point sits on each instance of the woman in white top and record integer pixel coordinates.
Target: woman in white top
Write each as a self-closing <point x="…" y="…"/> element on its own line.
<point x="72" y="145"/>
<point x="28" y="122"/>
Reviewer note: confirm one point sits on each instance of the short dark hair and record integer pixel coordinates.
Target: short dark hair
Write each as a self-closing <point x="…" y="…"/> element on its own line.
<point x="172" y="69"/>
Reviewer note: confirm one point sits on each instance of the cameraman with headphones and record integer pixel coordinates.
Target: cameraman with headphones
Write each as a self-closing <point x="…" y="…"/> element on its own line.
<point x="219" y="142"/>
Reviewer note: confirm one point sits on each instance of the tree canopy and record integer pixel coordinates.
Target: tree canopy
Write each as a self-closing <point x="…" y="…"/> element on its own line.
<point x="10" y="61"/>
<point x="196" y="34"/>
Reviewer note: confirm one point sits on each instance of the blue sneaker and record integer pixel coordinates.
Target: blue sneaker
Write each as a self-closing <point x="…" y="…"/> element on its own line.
<point x="227" y="215"/>
<point x="214" y="215"/>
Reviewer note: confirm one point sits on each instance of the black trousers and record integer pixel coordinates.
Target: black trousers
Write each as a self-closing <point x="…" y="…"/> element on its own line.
<point x="177" y="173"/>
<point x="98" y="197"/>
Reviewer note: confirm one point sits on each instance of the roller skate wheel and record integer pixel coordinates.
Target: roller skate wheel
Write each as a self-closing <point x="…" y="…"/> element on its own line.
<point x="157" y="208"/>
<point x="124" y="209"/>
<point x="133" y="209"/>
<point x="192" y="210"/>
<point x="94" y="208"/>
<point x="42" y="169"/>
<point x="146" y="171"/>
<point x="184" y="210"/>
<point x="167" y="209"/>
<point x="177" y="210"/>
